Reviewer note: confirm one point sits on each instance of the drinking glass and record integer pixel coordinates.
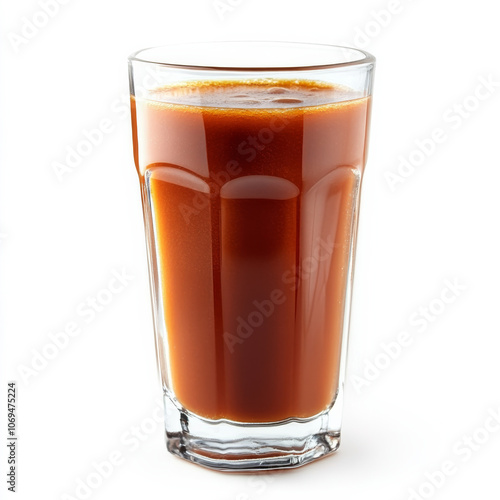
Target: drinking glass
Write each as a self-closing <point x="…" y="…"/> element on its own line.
<point x="250" y="158"/>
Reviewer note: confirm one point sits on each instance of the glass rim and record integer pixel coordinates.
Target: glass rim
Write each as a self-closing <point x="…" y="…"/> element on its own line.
<point x="365" y="59"/>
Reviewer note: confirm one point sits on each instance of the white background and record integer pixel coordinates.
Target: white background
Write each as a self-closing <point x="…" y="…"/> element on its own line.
<point x="62" y="239"/>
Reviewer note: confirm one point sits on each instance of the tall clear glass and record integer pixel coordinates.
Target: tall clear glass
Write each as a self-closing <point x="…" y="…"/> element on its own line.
<point x="250" y="158"/>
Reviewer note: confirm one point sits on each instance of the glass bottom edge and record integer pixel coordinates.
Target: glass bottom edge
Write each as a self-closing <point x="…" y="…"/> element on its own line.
<point x="245" y="447"/>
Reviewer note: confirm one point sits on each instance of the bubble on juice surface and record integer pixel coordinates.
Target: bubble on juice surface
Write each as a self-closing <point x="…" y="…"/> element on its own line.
<point x="247" y="101"/>
<point x="277" y="90"/>
<point x="287" y="100"/>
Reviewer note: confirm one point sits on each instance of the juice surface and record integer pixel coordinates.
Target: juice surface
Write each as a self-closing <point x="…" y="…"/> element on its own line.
<point x="253" y="188"/>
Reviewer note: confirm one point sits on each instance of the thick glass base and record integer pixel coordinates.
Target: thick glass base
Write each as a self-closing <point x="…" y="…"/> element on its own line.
<point x="234" y="446"/>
